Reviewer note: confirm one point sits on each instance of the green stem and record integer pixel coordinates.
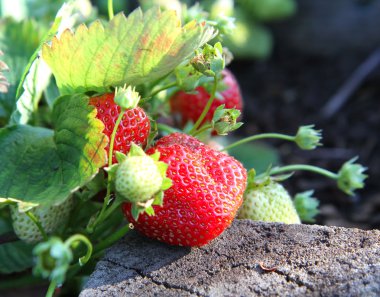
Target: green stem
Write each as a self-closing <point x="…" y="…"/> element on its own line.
<point x="105" y="243"/>
<point x="206" y="109"/>
<point x="167" y="128"/>
<point x="99" y="249"/>
<point x="201" y="130"/>
<point x="303" y="167"/>
<point x="110" y="154"/>
<point x="110" y="9"/>
<point x="81" y="238"/>
<point x="163" y="88"/>
<point x="113" y="135"/>
<point x="257" y="137"/>
<point x="51" y="289"/>
<point x="38" y="224"/>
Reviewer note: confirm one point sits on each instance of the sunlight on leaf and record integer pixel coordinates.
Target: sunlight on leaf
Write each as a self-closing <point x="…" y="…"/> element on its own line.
<point x="43" y="166"/>
<point x="36" y="76"/>
<point x="132" y="51"/>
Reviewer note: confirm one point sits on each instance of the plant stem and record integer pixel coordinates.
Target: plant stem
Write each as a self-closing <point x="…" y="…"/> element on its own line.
<point x="109" y="179"/>
<point x="81" y="238"/>
<point x="98" y="249"/>
<point x="105" y="243"/>
<point x="303" y="167"/>
<point x="206" y="109"/>
<point x="38" y="224"/>
<point x="163" y="88"/>
<point x="257" y="137"/>
<point x="110" y="9"/>
<point x="202" y="129"/>
<point x="51" y="289"/>
<point x="167" y="128"/>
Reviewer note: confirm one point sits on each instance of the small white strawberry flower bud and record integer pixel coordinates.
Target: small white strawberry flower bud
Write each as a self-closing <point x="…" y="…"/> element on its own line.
<point x="127" y="98"/>
<point x="307" y="138"/>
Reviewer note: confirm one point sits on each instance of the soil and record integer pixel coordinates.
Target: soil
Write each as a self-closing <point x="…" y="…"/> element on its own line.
<point x="291" y="89"/>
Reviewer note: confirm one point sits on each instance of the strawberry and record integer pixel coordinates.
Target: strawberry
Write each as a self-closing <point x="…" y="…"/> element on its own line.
<point x="269" y="202"/>
<point x="190" y="106"/>
<point x="207" y="190"/>
<point x="140" y="177"/>
<point x="134" y="127"/>
<point x="51" y="218"/>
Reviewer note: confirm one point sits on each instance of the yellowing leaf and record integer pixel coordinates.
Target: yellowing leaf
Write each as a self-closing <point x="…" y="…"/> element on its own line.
<point x="42" y="166"/>
<point x="132" y="51"/>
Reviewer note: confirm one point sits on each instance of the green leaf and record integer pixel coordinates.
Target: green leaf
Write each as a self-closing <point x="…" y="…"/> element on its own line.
<point x="42" y="166"/>
<point x="249" y="38"/>
<point x="36" y="75"/>
<point x="18" y="41"/>
<point x="134" y="50"/>
<point x="258" y="156"/>
<point x="15" y="257"/>
<point x="270" y="10"/>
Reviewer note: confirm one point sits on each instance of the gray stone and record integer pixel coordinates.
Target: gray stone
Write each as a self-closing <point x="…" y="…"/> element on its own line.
<point x="248" y="259"/>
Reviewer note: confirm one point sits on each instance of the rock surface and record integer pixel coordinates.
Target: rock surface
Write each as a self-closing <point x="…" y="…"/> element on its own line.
<point x="249" y="259"/>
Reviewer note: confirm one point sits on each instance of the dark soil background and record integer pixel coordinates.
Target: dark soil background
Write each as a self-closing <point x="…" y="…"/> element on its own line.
<point x="316" y="55"/>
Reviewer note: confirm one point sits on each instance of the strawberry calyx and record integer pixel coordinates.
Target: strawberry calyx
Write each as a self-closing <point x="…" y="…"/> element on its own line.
<point x="225" y="120"/>
<point x="351" y="177"/>
<point x="306" y="206"/>
<point x="127" y="97"/>
<point x="210" y="60"/>
<point x="140" y="179"/>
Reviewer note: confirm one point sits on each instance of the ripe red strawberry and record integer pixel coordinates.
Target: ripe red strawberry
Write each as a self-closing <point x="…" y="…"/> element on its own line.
<point x="134" y="127"/>
<point x="207" y="191"/>
<point x="190" y="106"/>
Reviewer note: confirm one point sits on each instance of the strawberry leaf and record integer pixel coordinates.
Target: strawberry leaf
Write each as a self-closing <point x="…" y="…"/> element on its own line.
<point x="134" y="50"/>
<point x="18" y="42"/>
<point x="43" y="166"/>
<point x="36" y="75"/>
<point x="15" y="257"/>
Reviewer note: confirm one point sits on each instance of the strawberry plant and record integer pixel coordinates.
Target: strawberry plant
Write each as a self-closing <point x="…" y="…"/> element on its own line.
<point x="92" y="144"/>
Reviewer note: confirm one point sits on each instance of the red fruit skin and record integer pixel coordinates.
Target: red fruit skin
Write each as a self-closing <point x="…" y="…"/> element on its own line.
<point x="190" y="106"/>
<point x="207" y="191"/>
<point x="134" y="127"/>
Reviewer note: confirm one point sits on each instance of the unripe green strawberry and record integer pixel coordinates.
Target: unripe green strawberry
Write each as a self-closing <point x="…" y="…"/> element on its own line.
<point x="138" y="178"/>
<point x="50" y="217"/>
<point x="269" y="202"/>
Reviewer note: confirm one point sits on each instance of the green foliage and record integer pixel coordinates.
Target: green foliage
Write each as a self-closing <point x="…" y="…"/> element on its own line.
<point x="258" y="156"/>
<point x="15" y="257"/>
<point x="18" y="41"/>
<point x="269" y="10"/>
<point x="42" y="166"/>
<point x="134" y="50"/>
